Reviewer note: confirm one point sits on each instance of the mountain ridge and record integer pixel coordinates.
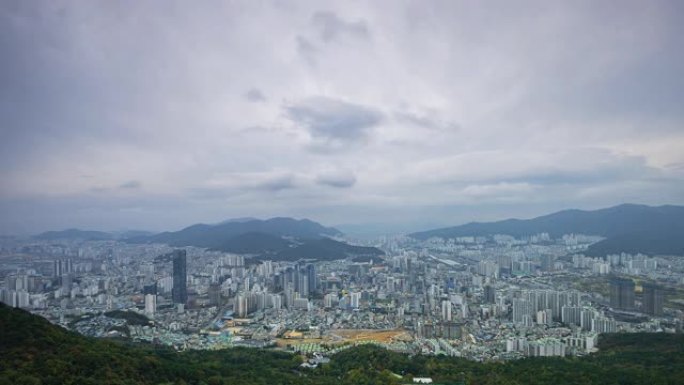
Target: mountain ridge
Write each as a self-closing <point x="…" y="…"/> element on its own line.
<point x="243" y="236"/>
<point x="278" y="238"/>
<point x="216" y="235"/>
<point x="73" y="233"/>
<point x="650" y="229"/>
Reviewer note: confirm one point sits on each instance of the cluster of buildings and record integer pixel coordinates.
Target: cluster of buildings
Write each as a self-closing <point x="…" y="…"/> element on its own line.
<point x="484" y="298"/>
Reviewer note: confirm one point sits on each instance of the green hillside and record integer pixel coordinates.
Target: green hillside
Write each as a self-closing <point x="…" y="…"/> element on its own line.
<point x="32" y="351"/>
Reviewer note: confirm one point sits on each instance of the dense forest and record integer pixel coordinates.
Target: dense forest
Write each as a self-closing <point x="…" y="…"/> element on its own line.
<point x="32" y="351"/>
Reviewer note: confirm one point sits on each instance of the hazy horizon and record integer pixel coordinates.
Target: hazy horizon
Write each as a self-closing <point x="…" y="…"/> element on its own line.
<point x="358" y="229"/>
<point x="156" y="116"/>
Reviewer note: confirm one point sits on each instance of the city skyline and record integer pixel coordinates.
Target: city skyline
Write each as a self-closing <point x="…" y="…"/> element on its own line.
<point x="138" y="116"/>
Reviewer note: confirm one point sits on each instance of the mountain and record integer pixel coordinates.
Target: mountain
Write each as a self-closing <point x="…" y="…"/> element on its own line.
<point x="627" y="228"/>
<point x="218" y="235"/>
<point x="128" y="234"/>
<point x="75" y="234"/>
<point x="238" y="220"/>
<point x="326" y="249"/>
<point x="274" y="248"/>
<point x="254" y="243"/>
<point x="33" y="351"/>
<point x="277" y="239"/>
<point x="89" y="235"/>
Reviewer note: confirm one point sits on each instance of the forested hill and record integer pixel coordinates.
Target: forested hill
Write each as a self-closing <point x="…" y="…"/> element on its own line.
<point x="32" y="351"/>
<point x="627" y="228"/>
<point x="215" y="236"/>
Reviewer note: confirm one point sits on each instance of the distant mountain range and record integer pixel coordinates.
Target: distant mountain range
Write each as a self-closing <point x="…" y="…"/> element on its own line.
<point x="275" y="239"/>
<point x="627" y="228"/>
<point x="90" y="235"/>
<point x="75" y="234"/>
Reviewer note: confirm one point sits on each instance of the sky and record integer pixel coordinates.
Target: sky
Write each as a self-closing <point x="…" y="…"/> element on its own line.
<point x="407" y="114"/>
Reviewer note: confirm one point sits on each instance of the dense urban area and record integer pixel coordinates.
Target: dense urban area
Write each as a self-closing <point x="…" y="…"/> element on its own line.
<point x="486" y="298"/>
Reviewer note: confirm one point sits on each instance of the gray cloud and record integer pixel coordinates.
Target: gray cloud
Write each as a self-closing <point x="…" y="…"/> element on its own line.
<point x="333" y="119"/>
<point x="330" y="26"/>
<point x="277" y="183"/>
<point x="306" y="49"/>
<point x="340" y="179"/>
<point x="445" y="111"/>
<point x="425" y="121"/>
<point x="133" y="184"/>
<point x="255" y="95"/>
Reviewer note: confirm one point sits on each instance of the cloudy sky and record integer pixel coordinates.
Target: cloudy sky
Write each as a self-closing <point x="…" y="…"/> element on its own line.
<point x="160" y="114"/>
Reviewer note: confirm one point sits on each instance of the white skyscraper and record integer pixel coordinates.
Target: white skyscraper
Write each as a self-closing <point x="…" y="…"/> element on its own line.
<point x="150" y="304"/>
<point x="446" y="310"/>
<point x="355" y="300"/>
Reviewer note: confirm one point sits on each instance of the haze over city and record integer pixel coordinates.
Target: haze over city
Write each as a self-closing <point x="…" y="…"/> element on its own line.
<point x="157" y="115"/>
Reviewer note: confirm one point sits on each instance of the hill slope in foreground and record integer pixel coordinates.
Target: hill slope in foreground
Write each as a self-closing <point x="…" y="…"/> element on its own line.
<point x="33" y="351"/>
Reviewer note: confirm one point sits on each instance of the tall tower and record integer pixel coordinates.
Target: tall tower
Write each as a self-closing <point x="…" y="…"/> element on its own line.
<point x="489" y="294"/>
<point x="214" y="294"/>
<point x="179" y="293"/>
<point x="150" y="304"/>
<point x="311" y="274"/>
<point x="446" y="310"/>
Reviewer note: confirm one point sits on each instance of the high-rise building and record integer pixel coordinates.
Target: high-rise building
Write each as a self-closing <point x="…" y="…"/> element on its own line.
<point x="571" y="315"/>
<point x="522" y="311"/>
<point x="547" y="262"/>
<point x="245" y="303"/>
<point x="489" y="294"/>
<point x="446" y="310"/>
<point x="652" y="299"/>
<point x="214" y="294"/>
<point x="303" y="283"/>
<point x="544" y="317"/>
<point x="603" y="325"/>
<point x="622" y="293"/>
<point x="62" y="266"/>
<point x="179" y="293"/>
<point x="150" y="289"/>
<point x="57" y="268"/>
<point x="276" y="301"/>
<point x="311" y="274"/>
<point x="587" y="315"/>
<point x="150" y="304"/>
<point x="330" y="300"/>
<point x="355" y="300"/>
<point x="546" y="347"/>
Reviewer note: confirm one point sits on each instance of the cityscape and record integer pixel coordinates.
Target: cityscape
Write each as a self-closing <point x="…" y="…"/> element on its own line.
<point x="341" y="192"/>
<point x="479" y="297"/>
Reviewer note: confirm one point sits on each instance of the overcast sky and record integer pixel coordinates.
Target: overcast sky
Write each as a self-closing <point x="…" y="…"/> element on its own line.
<point x="159" y="114"/>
